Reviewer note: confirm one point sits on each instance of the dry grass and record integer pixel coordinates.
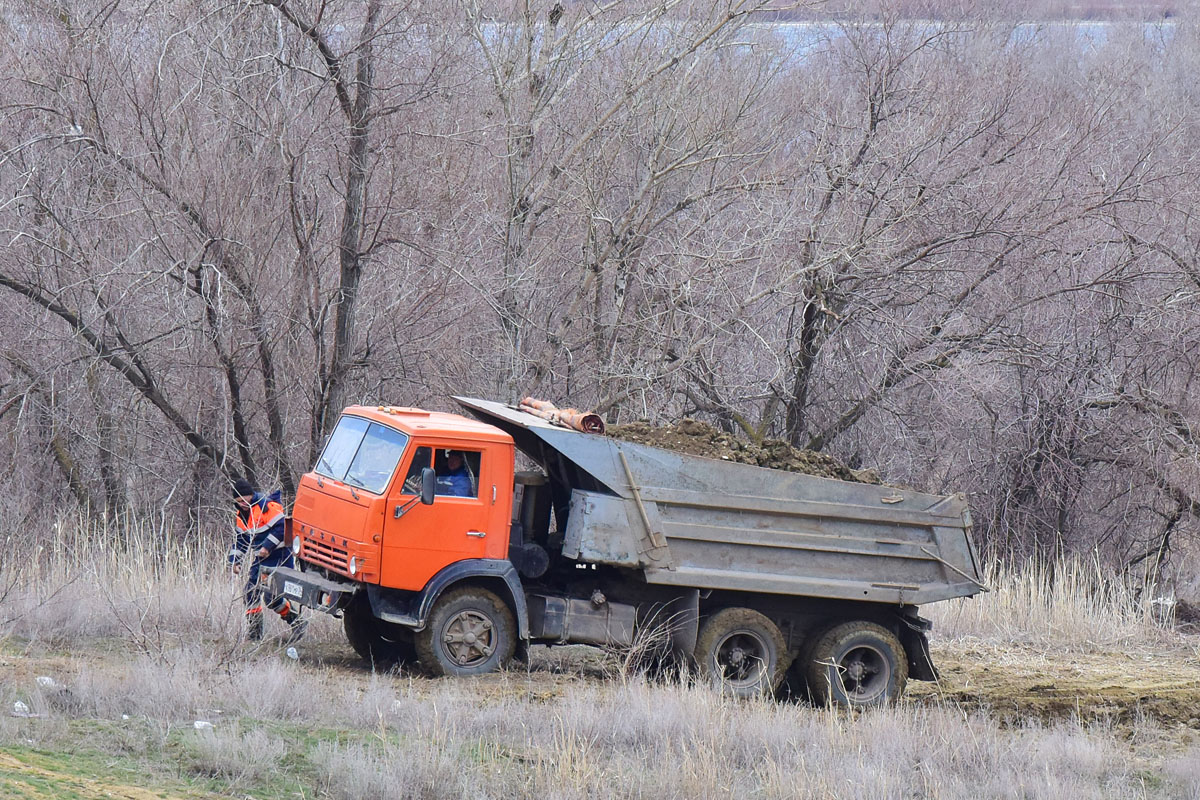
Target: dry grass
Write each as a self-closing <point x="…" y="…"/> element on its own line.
<point x="143" y="638"/>
<point x="1071" y="604"/>
<point x="497" y="738"/>
<point x="139" y="583"/>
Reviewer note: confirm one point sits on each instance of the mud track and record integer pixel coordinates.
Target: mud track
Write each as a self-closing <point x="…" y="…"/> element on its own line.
<point x="1016" y="684"/>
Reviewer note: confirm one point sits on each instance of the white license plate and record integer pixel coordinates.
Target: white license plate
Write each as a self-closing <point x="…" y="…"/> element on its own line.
<point x="293" y="589"/>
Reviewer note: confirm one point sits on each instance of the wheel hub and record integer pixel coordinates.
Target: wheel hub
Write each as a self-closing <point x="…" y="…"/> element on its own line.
<point x="469" y="638"/>
<point x="740" y="658"/>
<point x="864" y="673"/>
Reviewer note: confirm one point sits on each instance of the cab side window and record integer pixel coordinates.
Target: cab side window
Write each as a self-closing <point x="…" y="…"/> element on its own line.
<point x="422" y="458"/>
<point x="457" y="472"/>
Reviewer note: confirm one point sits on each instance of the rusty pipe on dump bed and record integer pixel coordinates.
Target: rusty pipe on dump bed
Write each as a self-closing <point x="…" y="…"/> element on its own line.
<point x="583" y="421"/>
<point x="541" y="409"/>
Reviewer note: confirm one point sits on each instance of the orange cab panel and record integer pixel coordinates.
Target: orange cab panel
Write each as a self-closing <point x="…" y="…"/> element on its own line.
<point x="336" y="523"/>
<point x="469" y="517"/>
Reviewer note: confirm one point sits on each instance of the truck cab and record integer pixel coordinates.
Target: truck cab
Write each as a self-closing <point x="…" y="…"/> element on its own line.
<point x="402" y="507"/>
<point x="405" y="508"/>
<point x="357" y="514"/>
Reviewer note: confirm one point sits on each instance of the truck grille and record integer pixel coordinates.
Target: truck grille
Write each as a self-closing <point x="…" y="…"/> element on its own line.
<point x="325" y="554"/>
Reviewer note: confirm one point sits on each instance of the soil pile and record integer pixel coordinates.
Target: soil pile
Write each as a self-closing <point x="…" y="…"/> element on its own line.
<point x="701" y="439"/>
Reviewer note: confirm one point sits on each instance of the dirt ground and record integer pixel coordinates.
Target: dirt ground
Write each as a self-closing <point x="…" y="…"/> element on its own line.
<point x="1013" y="683"/>
<point x="701" y="439"/>
<point x="1016" y="684"/>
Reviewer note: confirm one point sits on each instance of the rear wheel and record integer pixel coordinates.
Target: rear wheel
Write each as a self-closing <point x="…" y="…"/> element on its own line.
<point x="376" y="641"/>
<point x="741" y="652"/>
<point x="470" y="632"/>
<point x="856" y="664"/>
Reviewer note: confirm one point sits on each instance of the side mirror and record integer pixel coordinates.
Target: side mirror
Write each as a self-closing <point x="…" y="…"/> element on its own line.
<point x="428" y="484"/>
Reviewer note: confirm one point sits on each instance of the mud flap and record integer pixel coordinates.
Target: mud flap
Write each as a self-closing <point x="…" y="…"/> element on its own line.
<point x="671" y="626"/>
<point x="684" y="615"/>
<point x="916" y="645"/>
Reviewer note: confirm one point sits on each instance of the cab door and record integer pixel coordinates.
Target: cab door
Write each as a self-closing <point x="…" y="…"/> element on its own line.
<point x="426" y="539"/>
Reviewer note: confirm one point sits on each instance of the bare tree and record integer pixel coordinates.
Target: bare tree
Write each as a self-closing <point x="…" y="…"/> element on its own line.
<point x="960" y="250"/>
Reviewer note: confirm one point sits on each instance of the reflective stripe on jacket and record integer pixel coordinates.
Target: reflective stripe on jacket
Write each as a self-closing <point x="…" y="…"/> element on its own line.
<point x="262" y="527"/>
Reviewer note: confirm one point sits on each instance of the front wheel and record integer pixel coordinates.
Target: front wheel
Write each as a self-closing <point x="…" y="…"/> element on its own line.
<point x="856" y="664"/>
<point x="741" y="652"/>
<point x="381" y="643"/>
<point x="470" y="632"/>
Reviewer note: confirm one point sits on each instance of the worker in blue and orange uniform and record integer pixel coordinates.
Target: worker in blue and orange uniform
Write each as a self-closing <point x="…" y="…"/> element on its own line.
<point x="455" y="480"/>
<point x="260" y="529"/>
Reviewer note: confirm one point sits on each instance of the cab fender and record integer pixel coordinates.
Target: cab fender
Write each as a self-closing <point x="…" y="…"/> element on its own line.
<point x="412" y="609"/>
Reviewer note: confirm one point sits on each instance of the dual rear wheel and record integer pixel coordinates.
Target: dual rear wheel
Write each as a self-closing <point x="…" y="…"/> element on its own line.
<point x="741" y="652"/>
<point x="854" y="664"/>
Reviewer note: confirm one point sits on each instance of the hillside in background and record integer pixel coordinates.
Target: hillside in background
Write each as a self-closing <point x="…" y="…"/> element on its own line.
<point x="1031" y="10"/>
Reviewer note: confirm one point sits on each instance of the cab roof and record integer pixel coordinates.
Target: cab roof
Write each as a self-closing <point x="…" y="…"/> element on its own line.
<point x="430" y="424"/>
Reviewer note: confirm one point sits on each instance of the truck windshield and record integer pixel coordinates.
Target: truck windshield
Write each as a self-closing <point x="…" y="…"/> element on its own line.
<point x="362" y="454"/>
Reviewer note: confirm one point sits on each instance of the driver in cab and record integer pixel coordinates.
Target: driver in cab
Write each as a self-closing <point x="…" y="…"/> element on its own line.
<point x="455" y="480"/>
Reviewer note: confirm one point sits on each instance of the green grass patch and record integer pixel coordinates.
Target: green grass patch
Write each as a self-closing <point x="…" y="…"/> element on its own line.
<point x="69" y="774"/>
<point x="103" y="758"/>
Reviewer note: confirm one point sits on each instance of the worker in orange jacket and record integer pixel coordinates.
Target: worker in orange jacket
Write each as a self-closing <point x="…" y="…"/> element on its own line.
<point x="260" y="524"/>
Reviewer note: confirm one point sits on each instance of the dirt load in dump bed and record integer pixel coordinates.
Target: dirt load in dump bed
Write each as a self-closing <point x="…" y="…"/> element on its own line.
<point x="701" y="439"/>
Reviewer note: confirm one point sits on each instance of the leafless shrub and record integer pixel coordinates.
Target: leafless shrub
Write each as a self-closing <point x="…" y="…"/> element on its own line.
<point x="269" y="691"/>
<point x="147" y="688"/>
<point x="650" y="653"/>
<point x="958" y="248"/>
<point x="237" y="759"/>
<point x="409" y="771"/>
<point x="142" y="585"/>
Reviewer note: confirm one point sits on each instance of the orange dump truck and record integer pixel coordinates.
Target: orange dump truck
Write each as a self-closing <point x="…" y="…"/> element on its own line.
<point x="417" y="528"/>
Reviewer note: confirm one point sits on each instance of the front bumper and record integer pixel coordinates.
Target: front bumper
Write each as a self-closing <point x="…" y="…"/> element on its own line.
<point x="308" y="589"/>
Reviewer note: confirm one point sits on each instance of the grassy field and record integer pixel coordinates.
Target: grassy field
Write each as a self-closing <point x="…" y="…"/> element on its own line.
<point x="134" y="682"/>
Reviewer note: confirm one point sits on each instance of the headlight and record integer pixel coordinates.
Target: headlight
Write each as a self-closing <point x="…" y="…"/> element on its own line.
<point x="353" y="565"/>
<point x="296" y="545"/>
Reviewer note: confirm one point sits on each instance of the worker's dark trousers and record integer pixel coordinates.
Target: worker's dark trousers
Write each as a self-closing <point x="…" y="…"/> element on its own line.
<point x="259" y="601"/>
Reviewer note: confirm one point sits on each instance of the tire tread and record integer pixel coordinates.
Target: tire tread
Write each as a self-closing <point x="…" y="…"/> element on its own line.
<point x="726" y="620"/>
<point x="821" y="651"/>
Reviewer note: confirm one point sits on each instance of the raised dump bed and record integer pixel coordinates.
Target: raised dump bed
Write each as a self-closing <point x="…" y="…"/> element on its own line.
<point x="698" y="522"/>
